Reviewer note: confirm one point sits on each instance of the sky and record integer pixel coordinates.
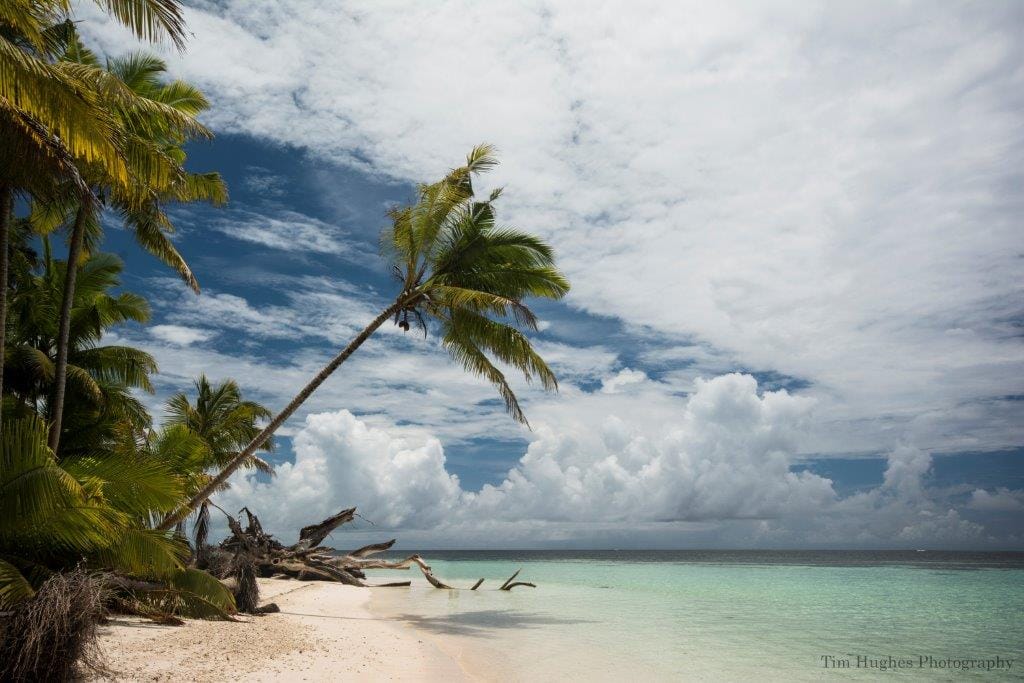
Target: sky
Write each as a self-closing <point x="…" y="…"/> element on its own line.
<point x="793" y="232"/>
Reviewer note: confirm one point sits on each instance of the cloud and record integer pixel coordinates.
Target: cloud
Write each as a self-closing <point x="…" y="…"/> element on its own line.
<point x="1000" y="500"/>
<point x="726" y="456"/>
<point x="340" y="461"/>
<point x="905" y="470"/>
<point x="180" y="335"/>
<point x="901" y="511"/>
<point x="719" y="471"/>
<point x="317" y="308"/>
<point x="625" y="377"/>
<point x="289" y="231"/>
<point x="828" y="193"/>
<point x="264" y="182"/>
<point x="274" y="350"/>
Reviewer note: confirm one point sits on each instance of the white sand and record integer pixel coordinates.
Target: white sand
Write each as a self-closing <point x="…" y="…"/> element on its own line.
<point x="324" y="632"/>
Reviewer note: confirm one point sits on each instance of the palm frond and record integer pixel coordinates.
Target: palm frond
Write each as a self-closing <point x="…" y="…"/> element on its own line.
<point x="138" y="551"/>
<point x="59" y="97"/>
<point x="32" y="485"/>
<point x="137" y="485"/>
<point x="13" y="586"/>
<point x="505" y="342"/>
<point x="200" y="595"/>
<point x="118" y="365"/>
<point x="150" y="227"/>
<point x="152" y="20"/>
<point x="467" y="354"/>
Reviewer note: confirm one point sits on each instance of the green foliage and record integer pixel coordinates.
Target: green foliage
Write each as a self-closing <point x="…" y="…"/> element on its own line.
<point x="461" y="269"/>
<point x="115" y="477"/>
<point x="223" y="423"/>
<point x="222" y="420"/>
<point x="97" y="510"/>
<point x="101" y="378"/>
<point x="80" y="134"/>
<point x="52" y="516"/>
<point x="200" y="595"/>
<point x="58" y="114"/>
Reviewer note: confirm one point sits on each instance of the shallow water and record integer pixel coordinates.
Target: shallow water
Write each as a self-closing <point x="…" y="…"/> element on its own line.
<point x="724" y="615"/>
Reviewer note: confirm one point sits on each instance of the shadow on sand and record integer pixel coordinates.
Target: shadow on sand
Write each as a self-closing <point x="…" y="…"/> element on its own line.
<point x="483" y="622"/>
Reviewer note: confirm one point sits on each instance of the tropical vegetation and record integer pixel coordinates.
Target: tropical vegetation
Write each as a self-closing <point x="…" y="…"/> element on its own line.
<point x="92" y="492"/>
<point x="224" y="423"/>
<point x="84" y="476"/>
<point x="97" y="503"/>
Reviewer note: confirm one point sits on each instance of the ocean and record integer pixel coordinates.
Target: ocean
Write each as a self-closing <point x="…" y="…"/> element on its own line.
<point x="723" y="615"/>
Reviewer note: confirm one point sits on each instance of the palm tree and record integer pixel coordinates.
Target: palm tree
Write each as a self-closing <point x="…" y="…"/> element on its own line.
<point x="224" y="423"/>
<point x="54" y="516"/>
<point x="53" y="103"/>
<point x="459" y="269"/>
<point x="69" y="126"/>
<point x="101" y="377"/>
<point x="115" y="479"/>
<point x="53" y="116"/>
<point x="156" y="120"/>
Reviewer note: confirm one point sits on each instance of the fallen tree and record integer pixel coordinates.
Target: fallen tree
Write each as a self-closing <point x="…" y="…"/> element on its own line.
<point x="308" y="560"/>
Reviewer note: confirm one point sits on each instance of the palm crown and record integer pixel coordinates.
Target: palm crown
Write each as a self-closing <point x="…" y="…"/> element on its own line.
<point x="459" y="268"/>
<point x="223" y="423"/>
<point x="222" y="419"/>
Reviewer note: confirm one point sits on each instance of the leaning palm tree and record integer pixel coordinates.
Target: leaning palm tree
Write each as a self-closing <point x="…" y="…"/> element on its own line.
<point x="458" y="268"/>
<point x="224" y="423"/>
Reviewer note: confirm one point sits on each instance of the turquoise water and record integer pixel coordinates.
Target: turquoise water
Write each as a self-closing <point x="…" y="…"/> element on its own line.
<point x="725" y="617"/>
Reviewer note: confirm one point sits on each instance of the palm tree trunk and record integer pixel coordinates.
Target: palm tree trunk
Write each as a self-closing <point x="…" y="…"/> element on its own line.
<point x="6" y="206"/>
<point x="61" y="371"/>
<point x="183" y="511"/>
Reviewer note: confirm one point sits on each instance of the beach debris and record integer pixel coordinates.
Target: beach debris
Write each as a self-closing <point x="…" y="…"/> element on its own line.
<point x="53" y="635"/>
<point x="307" y="559"/>
<point x="511" y="583"/>
<point x="510" y="579"/>
<point x="519" y="583"/>
<point x="247" y="590"/>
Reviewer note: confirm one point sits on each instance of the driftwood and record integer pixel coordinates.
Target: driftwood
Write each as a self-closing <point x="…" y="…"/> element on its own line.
<point x="308" y="560"/>
<point x="510" y="580"/>
<point x="511" y="583"/>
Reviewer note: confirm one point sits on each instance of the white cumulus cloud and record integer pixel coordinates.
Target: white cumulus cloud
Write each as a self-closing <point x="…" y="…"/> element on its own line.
<point x="723" y="463"/>
<point x="1000" y="500"/>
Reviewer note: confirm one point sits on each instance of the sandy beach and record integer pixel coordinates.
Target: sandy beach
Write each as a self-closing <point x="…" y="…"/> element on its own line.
<point x="323" y="632"/>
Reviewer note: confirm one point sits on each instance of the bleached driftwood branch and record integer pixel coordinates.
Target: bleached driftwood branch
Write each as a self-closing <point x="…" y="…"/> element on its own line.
<point x="308" y="560"/>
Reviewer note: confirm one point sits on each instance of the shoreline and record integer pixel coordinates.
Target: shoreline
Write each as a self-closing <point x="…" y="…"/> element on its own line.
<point x="324" y="631"/>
